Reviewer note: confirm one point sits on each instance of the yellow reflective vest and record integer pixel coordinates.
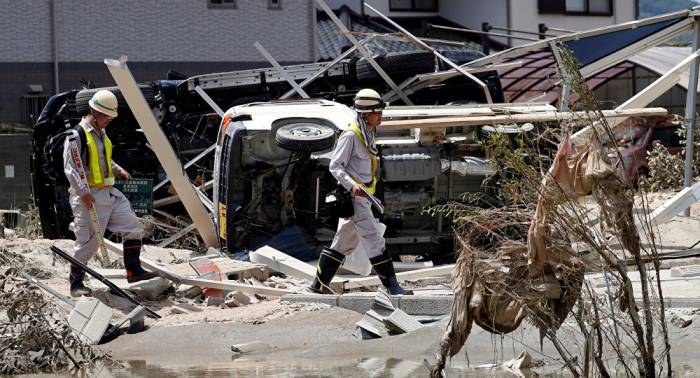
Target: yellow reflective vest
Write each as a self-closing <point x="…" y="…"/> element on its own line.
<point x="355" y="128"/>
<point x="96" y="177"/>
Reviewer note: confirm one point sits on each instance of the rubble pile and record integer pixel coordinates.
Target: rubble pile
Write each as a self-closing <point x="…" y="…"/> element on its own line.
<point x="35" y="334"/>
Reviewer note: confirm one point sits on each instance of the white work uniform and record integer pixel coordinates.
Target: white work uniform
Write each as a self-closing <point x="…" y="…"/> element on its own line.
<point x="113" y="209"/>
<point x="351" y="159"/>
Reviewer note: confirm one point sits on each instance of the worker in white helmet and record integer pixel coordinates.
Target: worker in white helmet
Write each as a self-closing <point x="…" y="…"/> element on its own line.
<point x="114" y="211"/>
<point x="354" y="164"/>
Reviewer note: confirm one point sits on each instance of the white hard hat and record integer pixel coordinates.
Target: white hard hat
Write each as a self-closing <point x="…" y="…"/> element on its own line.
<point x="368" y="100"/>
<point x="105" y="102"/>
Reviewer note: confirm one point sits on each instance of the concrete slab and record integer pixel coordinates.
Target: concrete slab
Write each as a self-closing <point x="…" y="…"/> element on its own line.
<point x="400" y="322"/>
<point x="90" y="318"/>
<point x="425" y="305"/>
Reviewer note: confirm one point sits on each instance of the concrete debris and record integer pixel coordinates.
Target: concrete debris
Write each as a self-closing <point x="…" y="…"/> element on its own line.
<point x="522" y="361"/>
<point x="90" y="319"/>
<point x="214" y="301"/>
<point x="400" y="322"/>
<point x="251" y="347"/>
<point x="384" y="320"/>
<point x="8" y="234"/>
<point x="685" y="271"/>
<point x="239" y="299"/>
<point x="682" y="318"/>
<point x="207" y="269"/>
<point x="188" y="291"/>
<point x="425" y="304"/>
<point x="151" y="289"/>
<point x="113" y="301"/>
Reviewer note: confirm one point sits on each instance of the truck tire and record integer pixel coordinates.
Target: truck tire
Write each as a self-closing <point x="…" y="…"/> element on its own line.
<point x="81" y="98"/>
<point x="399" y="66"/>
<point x="459" y="57"/>
<point x="305" y="137"/>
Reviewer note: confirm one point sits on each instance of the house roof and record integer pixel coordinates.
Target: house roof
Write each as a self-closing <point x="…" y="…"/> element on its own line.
<point x="661" y="59"/>
<point x="332" y="43"/>
<point x="537" y="77"/>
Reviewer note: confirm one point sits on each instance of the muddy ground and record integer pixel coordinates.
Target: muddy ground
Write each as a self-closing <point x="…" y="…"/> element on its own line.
<point x="317" y="340"/>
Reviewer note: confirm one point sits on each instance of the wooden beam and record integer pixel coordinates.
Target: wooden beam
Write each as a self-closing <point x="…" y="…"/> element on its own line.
<point x="517" y="118"/>
<point x="176" y="236"/>
<point x="164" y="151"/>
<point x="437" y="271"/>
<point x="222" y="285"/>
<point x="681" y="201"/>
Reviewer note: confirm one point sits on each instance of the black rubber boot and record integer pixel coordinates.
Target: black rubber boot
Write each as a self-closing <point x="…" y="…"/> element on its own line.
<point x="134" y="272"/>
<point x="328" y="264"/>
<point x="385" y="270"/>
<point x="77" y="289"/>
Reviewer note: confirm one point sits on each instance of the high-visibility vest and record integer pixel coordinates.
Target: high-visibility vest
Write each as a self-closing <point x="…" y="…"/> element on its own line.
<point x="96" y="177"/>
<point x="355" y="128"/>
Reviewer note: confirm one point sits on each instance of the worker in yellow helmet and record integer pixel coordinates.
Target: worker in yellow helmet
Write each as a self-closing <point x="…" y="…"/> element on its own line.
<point x="354" y="164"/>
<point x="92" y="185"/>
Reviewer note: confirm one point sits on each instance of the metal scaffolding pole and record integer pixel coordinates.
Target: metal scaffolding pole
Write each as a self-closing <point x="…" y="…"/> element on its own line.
<point x="422" y="44"/>
<point x="564" y="95"/>
<point x="480" y="32"/>
<point x="362" y="50"/>
<point x="690" y="106"/>
<point x="280" y="70"/>
<point x="327" y="66"/>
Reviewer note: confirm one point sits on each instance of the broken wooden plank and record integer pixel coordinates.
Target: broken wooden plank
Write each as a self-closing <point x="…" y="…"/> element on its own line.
<point x="517" y="118"/>
<point x="177" y="235"/>
<point x="163" y="149"/>
<point x="681" y="201"/>
<point x="283" y="263"/>
<point x="443" y="270"/>
<point x="223" y="285"/>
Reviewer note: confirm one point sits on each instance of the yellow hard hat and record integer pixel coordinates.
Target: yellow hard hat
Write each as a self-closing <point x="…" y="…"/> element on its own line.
<point x="368" y="100"/>
<point x="105" y="102"/>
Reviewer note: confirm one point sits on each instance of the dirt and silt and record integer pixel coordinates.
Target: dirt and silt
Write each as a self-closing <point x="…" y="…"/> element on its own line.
<point x="296" y="339"/>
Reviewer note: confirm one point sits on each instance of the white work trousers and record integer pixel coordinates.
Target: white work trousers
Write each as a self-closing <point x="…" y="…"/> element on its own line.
<point x="114" y="213"/>
<point x="362" y="228"/>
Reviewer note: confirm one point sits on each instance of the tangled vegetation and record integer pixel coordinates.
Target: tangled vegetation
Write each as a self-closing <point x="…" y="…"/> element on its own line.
<point x="516" y="261"/>
<point x="34" y="334"/>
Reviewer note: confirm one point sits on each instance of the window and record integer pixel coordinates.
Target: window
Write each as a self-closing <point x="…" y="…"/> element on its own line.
<point x="274" y="4"/>
<point x="222" y="3"/>
<point x="9" y="171"/>
<point x="576" y="7"/>
<point x="414" y="5"/>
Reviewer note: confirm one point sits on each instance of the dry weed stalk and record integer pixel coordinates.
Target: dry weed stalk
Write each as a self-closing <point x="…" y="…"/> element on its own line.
<point x="35" y="336"/>
<point x="503" y="277"/>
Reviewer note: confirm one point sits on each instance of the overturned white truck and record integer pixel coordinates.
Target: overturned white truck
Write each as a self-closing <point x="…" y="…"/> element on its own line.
<point x="271" y="173"/>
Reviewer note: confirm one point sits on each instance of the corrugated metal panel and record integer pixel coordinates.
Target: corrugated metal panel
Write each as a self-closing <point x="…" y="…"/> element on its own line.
<point x="662" y="59"/>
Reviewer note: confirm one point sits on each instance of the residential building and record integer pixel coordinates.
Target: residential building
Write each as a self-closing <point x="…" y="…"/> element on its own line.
<point x="55" y="45"/>
<point x="524" y="15"/>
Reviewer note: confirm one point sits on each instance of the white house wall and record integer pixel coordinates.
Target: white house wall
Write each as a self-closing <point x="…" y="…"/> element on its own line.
<point x="525" y="16"/>
<point x="383" y="6"/>
<point x="472" y="14"/>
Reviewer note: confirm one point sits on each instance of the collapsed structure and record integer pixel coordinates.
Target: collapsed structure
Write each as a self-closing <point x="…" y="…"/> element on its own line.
<point x="262" y="180"/>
